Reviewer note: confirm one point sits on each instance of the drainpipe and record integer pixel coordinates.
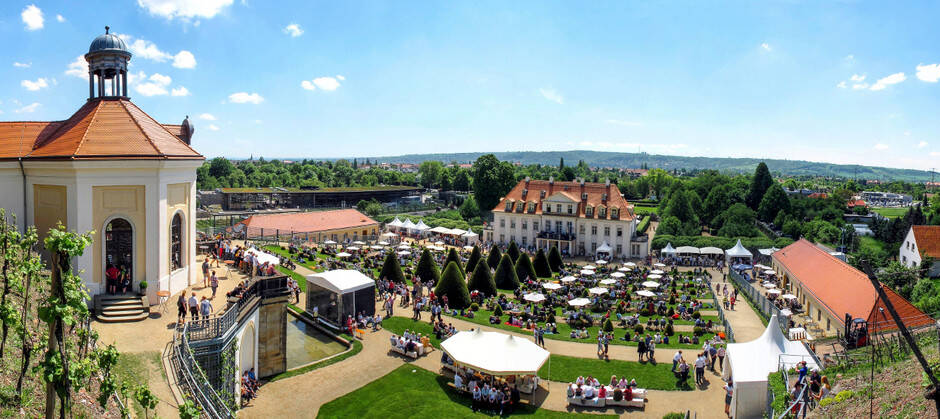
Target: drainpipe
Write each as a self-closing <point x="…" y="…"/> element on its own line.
<point x="23" y="173"/>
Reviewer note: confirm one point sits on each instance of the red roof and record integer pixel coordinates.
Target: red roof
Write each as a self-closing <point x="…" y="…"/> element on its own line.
<point x="927" y="239"/>
<point x="856" y="203"/>
<point x="573" y="190"/>
<point x="307" y="222"/>
<point x="100" y="129"/>
<point x="839" y="286"/>
<point x="820" y="195"/>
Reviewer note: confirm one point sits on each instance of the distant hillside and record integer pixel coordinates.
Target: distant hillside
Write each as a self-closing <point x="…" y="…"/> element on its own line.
<point x="635" y="160"/>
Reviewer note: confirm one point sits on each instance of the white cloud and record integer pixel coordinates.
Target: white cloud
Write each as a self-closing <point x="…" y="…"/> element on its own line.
<point x="29" y="108"/>
<point x="860" y="86"/>
<point x="624" y="123"/>
<point x="294" y="30"/>
<point x="340" y="77"/>
<point x="133" y="77"/>
<point x="766" y="47"/>
<point x="842" y="85"/>
<point x="884" y="82"/>
<point x="161" y="79"/>
<point x="32" y="17"/>
<point x="552" y="95"/>
<point x="935" y="154"/>
<point x="184" y="59"/>
<point x="850" y="58"/>
<point x="212" y="127"/>
<point x="21" y="65"/>
<point x="184" y="9"/>
<point x="33" y="86"/>
<point x="928" y="72"/>
<point x="244" y="97"/>
<point x="60" y="18"/>
<point x="145" y="49"/>
<point x="207" y="117"/>
<point x="79" y="68"/>
<point x="324" y="83"/>
<point x="150" y="89"/>
<point x="858" y="78"/>
<point x="880" y="146"/>
<point x="179" y="91"/>
<point x="922" y="144"/>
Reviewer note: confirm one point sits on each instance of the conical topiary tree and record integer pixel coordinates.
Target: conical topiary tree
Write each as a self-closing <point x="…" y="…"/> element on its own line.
<point x="524" y="268"/>
<point x="475" y="257"/>
<point x="452" y="256"/>
<point x="505" y="277"/>
<point x="513" y="251"/>
<point x="453" y="285"/>
<point x="482" y="281"/>
<point x="494" y="257"/>
<point x="554" y="259"/>
<point x="542" y="268"/>
<point x="391" y="270"/>
<point x="427" y="269"/>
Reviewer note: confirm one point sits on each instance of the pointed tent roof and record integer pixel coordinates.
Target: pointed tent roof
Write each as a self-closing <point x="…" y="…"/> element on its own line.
<point x="604" y="247"/>
<point x="395" y="223"/>
<point x="738" y="251"/>
<point x="100" y="129"/>
<point x="754" y="360"/>
<point x="421" y="226"/>
<point x="668" y="249"/>
<point x="408" y="224"/>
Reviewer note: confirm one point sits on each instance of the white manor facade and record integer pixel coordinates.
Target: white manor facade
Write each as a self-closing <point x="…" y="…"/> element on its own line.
<point x="580" y="218"/>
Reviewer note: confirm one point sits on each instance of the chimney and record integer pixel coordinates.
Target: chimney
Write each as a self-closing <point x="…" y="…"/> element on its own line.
<point x="527" y="181"/>
<point x="583" y="194"/>
<point x="551" y="184"/>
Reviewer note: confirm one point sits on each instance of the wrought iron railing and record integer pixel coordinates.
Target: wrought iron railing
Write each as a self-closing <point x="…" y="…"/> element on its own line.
<point x="767" y="307"/>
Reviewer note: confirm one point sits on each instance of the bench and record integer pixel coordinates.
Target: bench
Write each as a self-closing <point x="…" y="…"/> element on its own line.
<point x="412" y="354"/>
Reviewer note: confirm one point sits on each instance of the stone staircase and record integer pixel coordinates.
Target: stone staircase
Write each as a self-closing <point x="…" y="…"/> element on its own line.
<point x="121" y="308"/>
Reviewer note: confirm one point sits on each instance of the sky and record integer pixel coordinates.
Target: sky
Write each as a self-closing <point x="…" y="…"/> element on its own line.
<point x="850" y="82"/>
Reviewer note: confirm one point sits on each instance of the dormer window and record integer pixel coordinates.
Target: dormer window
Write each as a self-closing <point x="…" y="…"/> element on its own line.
<point x="558" y="208"/>
<point x="584" y="196"/>
<point x="531" y="206"/>
<point x="520" y="207"/>
<point x="614" y="212"/>
<point x="542" y="194"/>
<point x="525" y="192"/>
<point x="603" y="197"/>
<point x="602" y="212"/>
<point x="589" y="212"/>
<point x="509" y="206"/>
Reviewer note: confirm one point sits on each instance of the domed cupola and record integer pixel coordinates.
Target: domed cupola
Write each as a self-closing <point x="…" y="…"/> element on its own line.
<point x="107" y="60"/>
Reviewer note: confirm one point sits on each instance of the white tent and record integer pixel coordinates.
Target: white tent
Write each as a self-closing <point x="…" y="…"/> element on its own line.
<point x="688" y="250"/>
<point x="403" y="253"/>
<point x="264" y="257"/>
<point x="456" y="232"/>
<point x="343" y="255"/>
<point x="389" y="234"/>
<point x="569" y="278"/>
<point x="767" y="252"/>
<point x="329" y="242"/>
<point x="421" y="226"/>
<point x="587" y="272"/>
<point x="470" y="237"/>
<point x="358" y="243"/>
<point x="408" y="225"/>
<point x="630" y="264"/>
<point x="657" y="272"/>
<point x="646" y="293"/>
<point x="534" y="297"/>
<point x="650" y="284"/>
<point x="659" y="265"/>
<point x="352" y="248"/>
<point x="603" y="248"/>
<point x="711" y="251"/>
<point x="668" y="250"/>
<point x="495" y="353"/>
<point x="396" y="223"/>
<point x="608" y="281"/>
<point x="590" y="267"/>
<point x="600" y="262"/>
<point x="598" y="291"/>
<point x="618" y="275"/>
<point x="440" y="230"/>
<point x="749" y="363"/>
<point x="341" y="281"/>
<point x="738" y="251"/>
<point x="578" y="302"/>
<point x="383" y="243"/>
<point x="654" y="276"/>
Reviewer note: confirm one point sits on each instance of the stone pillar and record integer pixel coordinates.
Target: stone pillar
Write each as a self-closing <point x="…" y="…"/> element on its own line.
<point x="272" y="336"/>
<point x="124" y="83"/>
<point x="91" y="84"/>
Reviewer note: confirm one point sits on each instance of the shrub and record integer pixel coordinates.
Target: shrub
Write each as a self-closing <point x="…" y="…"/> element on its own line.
<point x="608" y="325"/>
<point x="474" y="307"/>
<point x="826" y="402"/>
<point x="669" y="330"/>
<point x="542" y="268"/>
<point x="474" y="258"/>
<point x="505" y="277"/>
<point x="427" y="268"/>
<point x="524" y="268"/>
<point x="452" y="256"/>
<point x="844" y="395"/>
<point x="638" y="329"/>
<point x="674" y="415"/>
<point x="494" y="257"/>
<point x="391" y="270"/>
<point x="454" y="286"/>
<point x="698" y="331"/>
<point x="482" y="281"/>
<point x="513" y="251"/>
<point x="498" y="311"/>
<point x="644" y="312"/>
<point x="696" y="315"/>
<point x="554" y="259"/>
<point x="670" y="313"/>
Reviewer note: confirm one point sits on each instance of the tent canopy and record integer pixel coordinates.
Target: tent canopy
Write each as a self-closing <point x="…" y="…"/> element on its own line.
<point x="395" y="223"/>
<point x="711" y="251"/>
<point x="341" y="281"/>
<point x="456" y="232"/>
<point x="738" y="251"/>
<point x="440" y="230"/>
<point x="603" y="248"/>
<point x="421" y="226"/>
<point x="495" y="353"/>
<point x="768" y="252"/>
<point x="264" y="257"/>
<point x="688" y="250"/>
<point x="469" y="234"/>
<point x="408" y="225"/>
<point x="668" y="249"/>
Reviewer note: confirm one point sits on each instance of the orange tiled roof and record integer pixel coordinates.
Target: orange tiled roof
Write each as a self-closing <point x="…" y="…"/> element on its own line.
<point x="820" y="195"/>
<point x="840" y="287"/>
<point x="572" y="190"/>
<point x="306" y="222"/>
<point x="100" y="129"/>
<point x="927" y="239"/>
<point x="856" y="203"/>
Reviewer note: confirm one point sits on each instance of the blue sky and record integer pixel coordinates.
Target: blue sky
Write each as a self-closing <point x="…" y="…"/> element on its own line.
<point x="844" y="82"/>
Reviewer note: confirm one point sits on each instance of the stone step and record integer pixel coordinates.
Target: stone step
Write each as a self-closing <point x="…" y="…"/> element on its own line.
<point x="125" y="318"/>
<point x="119" y="303"/>
<point x="121" y="307"/>
<point x="110" y="297"/>
<point x="120" y="313"/>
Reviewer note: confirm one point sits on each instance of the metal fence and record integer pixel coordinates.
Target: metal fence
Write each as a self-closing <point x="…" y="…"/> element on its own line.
<point x="767" y="308"/>
<point x="729" y="331"/>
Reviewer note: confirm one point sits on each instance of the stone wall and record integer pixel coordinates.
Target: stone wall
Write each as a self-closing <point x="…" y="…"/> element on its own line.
<point x="272" y="336"/>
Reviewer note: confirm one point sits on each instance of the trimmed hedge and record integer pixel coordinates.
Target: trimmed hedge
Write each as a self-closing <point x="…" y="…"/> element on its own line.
<point x="524" y="268"/>
<point x="506" y="278"/>
<point x="554" y="259"/>
<point x="453" y="285"/>
<point x="542" y="268"/>
<point x="391" y="270"/>
<point x="472" y="261"/>
<point x="452" y="256"/>
<point x="482" y="281"/>
<point x="494" y="257"/>
<point x="427" y="268"/>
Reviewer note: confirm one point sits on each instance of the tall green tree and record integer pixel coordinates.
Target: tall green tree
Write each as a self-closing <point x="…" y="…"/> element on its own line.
<point x="524" y="268"/>
<point x="494" y="257"/>
<point x="513" y="251"/>
<point x="391" y="270"/>
<point x="427" y="269"/>
<point x="505" y="277"/>
<point x="469" y="208"/>
<point x="542" y="267"/>
<point x="482" y="280"/>
<point x="475" y="256"/>
<point x="492" y="180"/>
<point x="554" y="259"/>
<point x="774" y="201"/>
<point x="452" y="256"/>
<point x="454" y="286"/>
<point x="759" y="184"/>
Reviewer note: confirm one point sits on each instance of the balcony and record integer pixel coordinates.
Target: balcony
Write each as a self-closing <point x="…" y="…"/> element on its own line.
<point x="551" y="235"/>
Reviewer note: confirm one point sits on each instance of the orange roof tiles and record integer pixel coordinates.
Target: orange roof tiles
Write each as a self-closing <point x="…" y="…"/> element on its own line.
<point x="307" y="222"/>
<point x="100" y="129"/>
<point x="840" y="287"/>
<point x="927" y="239"/>
<point x="856" y="203"/>
<point x="572" y="190"/>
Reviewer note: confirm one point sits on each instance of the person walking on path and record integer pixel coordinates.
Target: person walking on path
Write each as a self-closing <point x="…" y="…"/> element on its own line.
<point x="600" y="343"/>
<point x="729" y="392"/>
<point x="675" y="360"/>
<point x="721" y="357"/>
<point x="700" y="369"/>
<point x="181" y="308"/>
<point x="214" y="283"/>
<point x="205" y="273"/>
<point x="205" y="307"/>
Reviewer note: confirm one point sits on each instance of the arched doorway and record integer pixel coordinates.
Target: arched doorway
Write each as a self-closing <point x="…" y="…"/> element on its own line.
<point x="119" y="254"/>
<point x="246" y="348"/>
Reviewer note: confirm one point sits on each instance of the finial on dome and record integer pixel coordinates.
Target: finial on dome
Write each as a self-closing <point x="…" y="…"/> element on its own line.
<point x="106" y="29"/>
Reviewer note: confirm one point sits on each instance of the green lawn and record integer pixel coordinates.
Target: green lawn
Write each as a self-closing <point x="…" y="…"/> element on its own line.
<point x="397" y="325"/>
<point x="644" y="210"/>
<point x="301" y="281"/>
<point x="412" y="392"/>
<point x="658" y="376"/>
<point x="871" y="242"/>
<point x="891" y="212"/>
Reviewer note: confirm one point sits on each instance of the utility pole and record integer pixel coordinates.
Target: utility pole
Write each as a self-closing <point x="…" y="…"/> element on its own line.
<point x="932" y="393"/>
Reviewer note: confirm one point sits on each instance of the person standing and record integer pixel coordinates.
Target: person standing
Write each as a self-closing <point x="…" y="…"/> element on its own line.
<point x="700" y="369"/>
<point x="181" y="308"/>
<point x="205" y="308"/>
<point x="721" y="357"/>
<point x="205" y="273"/>
<point x="729" y="392"/>
<point x="675" y="360"/>
<point x="193" y="307"/>
<point x="214" y="283"/>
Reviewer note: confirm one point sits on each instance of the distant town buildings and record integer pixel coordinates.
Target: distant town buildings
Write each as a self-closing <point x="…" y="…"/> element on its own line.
<point x="886" y="199"/>
<point x="240" y="199"/>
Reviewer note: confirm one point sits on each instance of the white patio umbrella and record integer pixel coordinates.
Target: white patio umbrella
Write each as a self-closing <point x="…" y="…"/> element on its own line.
<point x="786" y="312"/>
<point x="773" y="291"/>
<point x="759" y="266"/>
<point x="403" y="253"/>
<point x="769" y="272"/>
<point x="788" y="297"/>
<point x="551" y="286"/>
<point x="468" y="248"/>
<point x="768" y="285"/>
<point x="659" y="265"/>
<point x="646" y="293"/>
<point x="630" y="264"/>
<point x="389" y="234"/>
<point x="352" y="248"/>
<point x="579" y="302"/>
<point x="600" y="262"/>
<point x="376" y="247"/>
<point x="608" y="281"/>
<point x="623" y="269"/>
<point x="439" y="243"/>
<point x="343" y="255"/>
<point x="591" y="267"/>
<point x="598" y="291"/>
<point x="329" y="242"/>
<point x="651" y="284"/>
<point x="404" y="246"/>
<point x="534" y="297"/>
<point x="383" y="243"/>
<point x="437" y="248"/>
<point x="569" y="278"/>
<point x="587" y="272"/>
<point x="358" y="243"/>
<point x="618" y="275"/>
<point x="654" y="276"/>
<point x="657" y="272"/>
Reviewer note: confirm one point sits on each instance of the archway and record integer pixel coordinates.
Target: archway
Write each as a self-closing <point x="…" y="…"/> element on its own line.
<point x="246" y="356"/>
<point x="119" y="254"/>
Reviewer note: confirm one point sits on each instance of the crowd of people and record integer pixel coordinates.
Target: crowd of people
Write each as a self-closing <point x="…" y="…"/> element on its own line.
<point x="589" y="388"/>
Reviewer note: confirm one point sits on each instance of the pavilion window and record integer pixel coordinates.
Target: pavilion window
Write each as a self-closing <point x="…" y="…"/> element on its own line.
<point x="176" y="242"/>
